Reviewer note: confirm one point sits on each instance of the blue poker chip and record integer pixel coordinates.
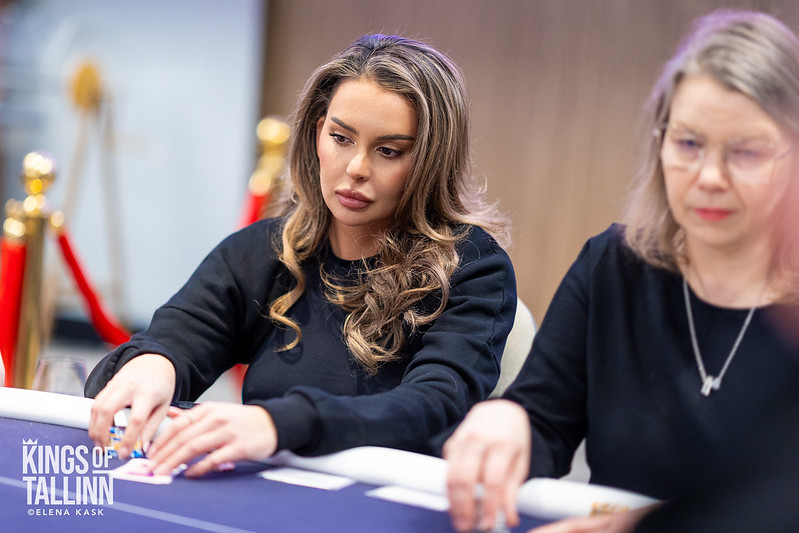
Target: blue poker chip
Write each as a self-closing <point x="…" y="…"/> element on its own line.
<point x="115" y="434"/>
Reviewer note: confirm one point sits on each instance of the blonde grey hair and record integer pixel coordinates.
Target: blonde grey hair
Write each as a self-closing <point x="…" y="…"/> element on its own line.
<point x="749" y="52"/>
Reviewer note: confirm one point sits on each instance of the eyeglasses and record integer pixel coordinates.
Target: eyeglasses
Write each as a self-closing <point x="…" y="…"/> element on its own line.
<point x="748" y="161"/>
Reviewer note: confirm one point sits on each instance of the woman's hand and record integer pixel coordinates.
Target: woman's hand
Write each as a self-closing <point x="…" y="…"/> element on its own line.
<point x="608" y="523"/>
<point x="225" y="431"/>
<point x="491" y="447"/>
<point x="145" y="383"/>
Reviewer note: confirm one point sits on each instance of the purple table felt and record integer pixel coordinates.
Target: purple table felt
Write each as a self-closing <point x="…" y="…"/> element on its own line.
<point x="234" y="501"/>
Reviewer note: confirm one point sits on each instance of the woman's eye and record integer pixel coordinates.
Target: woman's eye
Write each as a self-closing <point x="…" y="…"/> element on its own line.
<point x="689" y="145"/>
<point x="748" y="156"/>
<point x="389" y="152"/>
<point x="338" y="138"/>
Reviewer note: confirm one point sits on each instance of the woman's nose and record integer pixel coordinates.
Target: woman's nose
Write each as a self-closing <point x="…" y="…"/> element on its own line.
<point x="359" y="168"/>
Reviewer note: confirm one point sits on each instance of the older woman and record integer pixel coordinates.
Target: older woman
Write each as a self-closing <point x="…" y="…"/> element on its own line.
<point x="658" y="347"/>
<point x="373" y="313"/>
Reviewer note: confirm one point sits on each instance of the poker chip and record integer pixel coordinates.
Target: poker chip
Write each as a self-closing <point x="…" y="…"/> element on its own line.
<point x="115" y="434"/>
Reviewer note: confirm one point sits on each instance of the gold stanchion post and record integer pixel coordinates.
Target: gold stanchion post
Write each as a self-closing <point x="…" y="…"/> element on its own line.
<point x="38" y="172"/>
<point x="273" y="135"/>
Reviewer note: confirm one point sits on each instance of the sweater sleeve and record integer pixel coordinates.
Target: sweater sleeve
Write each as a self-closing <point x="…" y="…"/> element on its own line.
<point x="456" y="365"/>
<point x="551" y="385"/>
<point x="209" y="324"/>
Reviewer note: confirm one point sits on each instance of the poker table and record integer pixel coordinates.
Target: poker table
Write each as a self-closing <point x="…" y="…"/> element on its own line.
<point x="52" y="479"/>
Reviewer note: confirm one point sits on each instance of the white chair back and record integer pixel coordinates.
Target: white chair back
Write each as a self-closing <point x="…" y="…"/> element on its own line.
<point x="517" y="347"/>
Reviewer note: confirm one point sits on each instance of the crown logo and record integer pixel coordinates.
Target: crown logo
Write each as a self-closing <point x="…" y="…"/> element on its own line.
<point x="30" y="441"/>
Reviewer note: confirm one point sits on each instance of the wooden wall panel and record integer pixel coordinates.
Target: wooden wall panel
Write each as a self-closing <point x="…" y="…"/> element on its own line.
<point x="556" y="86"/>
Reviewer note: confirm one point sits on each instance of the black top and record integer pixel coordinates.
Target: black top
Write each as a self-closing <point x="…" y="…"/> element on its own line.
<point x="319" y="397"/>
<point x="755" y="489"/>
<point x="613" y="363"/>
<point x="758" y="476"/>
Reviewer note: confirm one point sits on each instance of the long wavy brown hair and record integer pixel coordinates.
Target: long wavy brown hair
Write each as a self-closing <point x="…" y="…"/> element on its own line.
<point x="745" y="51"/>
<point x="417" y="256"/>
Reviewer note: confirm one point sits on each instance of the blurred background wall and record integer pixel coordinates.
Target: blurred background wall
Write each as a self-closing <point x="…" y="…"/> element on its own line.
<point x="556" y="86"/>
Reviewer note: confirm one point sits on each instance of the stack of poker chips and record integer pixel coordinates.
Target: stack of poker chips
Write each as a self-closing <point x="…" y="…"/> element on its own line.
<point x="116" y="433"/>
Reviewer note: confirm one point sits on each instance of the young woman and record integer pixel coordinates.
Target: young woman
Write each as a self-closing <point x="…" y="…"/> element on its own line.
<point x="373" y="313"/>
<point x="658" y="348"/>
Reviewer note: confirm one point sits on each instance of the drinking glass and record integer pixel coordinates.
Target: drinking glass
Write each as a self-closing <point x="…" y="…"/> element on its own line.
<point x="64" y="375"/>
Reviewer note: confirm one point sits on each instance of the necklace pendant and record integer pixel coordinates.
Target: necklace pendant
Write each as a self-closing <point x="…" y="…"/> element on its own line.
<point x="709" y="385"/>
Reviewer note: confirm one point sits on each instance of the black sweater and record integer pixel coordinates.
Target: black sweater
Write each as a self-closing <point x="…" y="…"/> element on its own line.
<point x="613" y="363"/>
<point x="320" y="399"/>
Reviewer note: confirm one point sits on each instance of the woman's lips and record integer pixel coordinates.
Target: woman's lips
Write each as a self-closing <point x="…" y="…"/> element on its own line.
<point x="352" y="199"/>
<point x="712" y="215"/>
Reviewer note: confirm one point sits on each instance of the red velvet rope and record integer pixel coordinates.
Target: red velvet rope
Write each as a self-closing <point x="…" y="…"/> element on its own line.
<point x="254" y="207"/>
<point x="12" y="273"/>
<point x="108" y="329"/>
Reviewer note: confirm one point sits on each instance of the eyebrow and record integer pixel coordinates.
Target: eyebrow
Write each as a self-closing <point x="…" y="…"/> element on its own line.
<point x="392" y="137"/>
<point x="758" y="136"/>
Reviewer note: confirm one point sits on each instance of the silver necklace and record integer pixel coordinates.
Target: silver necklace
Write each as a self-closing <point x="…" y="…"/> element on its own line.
<point x="711" y="383"/>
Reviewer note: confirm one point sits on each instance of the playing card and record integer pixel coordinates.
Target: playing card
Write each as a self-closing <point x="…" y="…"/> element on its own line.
<point x="296" y="476"/>
<point x="137" y="470"/>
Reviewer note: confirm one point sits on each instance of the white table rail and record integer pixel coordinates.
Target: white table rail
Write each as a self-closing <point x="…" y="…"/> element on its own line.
<point x="545" y="498"/>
